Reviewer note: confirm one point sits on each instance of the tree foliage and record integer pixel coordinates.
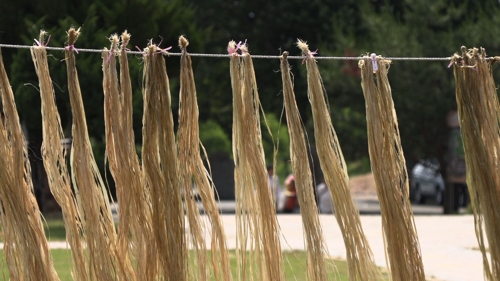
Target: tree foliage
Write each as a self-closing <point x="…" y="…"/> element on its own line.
<point x="145" y="20"/>
<point x="423" y="91"/>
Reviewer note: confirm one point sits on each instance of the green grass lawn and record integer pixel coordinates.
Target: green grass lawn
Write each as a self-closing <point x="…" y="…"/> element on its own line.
<point x="295" y="266"/>
<point x="53" y="226"/>
<point x="60" y="257"/>
<point x="295" y="261"/>
<point x="359" y="167"/>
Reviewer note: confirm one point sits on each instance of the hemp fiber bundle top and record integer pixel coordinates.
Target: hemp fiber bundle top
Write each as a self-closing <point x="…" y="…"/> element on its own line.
<point x="479" y="114"/>
<point x="389" y="170"/>
<point x="359" y="255"/>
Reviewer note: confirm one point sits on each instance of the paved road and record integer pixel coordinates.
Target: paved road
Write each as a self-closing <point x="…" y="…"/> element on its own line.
<point x="367" y="205"/>
<point x="448" y="243"/>
<point x="370" y="205"/>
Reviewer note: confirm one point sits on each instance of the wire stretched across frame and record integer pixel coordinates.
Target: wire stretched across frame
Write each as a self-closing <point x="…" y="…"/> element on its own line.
<point x="253" y="56"/>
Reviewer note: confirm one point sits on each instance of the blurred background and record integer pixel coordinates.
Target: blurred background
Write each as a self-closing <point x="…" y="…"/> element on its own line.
<point x="423" y="91"/>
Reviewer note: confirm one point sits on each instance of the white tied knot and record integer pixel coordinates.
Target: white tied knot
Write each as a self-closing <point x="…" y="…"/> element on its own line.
<point x="374" y="62"/>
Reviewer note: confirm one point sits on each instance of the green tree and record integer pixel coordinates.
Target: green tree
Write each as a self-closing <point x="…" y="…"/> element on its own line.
<point x="423" y="91"/>
<point x="214" y="138"/>
<point x="275" y="139"/>
<point x="160" y="20"/>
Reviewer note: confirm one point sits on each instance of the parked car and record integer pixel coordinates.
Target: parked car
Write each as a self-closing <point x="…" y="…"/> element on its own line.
<point x="426" y="182"/>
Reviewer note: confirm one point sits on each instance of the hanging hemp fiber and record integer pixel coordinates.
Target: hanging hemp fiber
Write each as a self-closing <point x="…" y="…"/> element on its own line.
<point x="123" y="162"/>
<point x="479" y="115"/>
<point x="193" y="174"/>
<point x="92" y="196"/>
<point x="245" y="197"/>
<point x="25" y="246"/>
<point x="313" y="233"/>
<point x="134" y="187"/>
<point x="115" y="149"/>
<point x="389" y="170"/>
<point x="359" y="255"/>
<point x="160" y="168"/>
<point x="188" y="154"/>
<point x="54" y="161"/>
<point x="255" y="212"/>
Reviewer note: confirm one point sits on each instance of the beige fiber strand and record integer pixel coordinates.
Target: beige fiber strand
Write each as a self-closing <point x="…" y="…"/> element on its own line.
<point x="121" y="157"/>
<point x="92" y="195"/>
<point x="359" y="255"/>
<point x="187" y="145"/>
<point x="315" y="244"/>
<point x="389" y="170"/>
<point x="479" y="115"/>
<point x="252" y="186"/>
<point x="114" y="151"/>
<point x="140" y="211"/>
<point x="193" y="172"/>
<point x="54" y="161"/>
<point x="25" y="246"/>
<point x="273" y="260"/>
<point x="248" y="248"/>
<point x="160" y="168"/>
<point x="244" y="201"/>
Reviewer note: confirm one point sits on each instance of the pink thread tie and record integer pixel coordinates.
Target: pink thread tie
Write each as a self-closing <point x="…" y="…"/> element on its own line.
<point x="310" y="55"/>
<point x="44" y="45"/>
<point x="160" y="49"/>
<point x="238" y="47"/>
<point x="451" y="63"/>
<point x="71" y="47"/>
<point x="163" y="50"/>
<point x="109" y="57"/>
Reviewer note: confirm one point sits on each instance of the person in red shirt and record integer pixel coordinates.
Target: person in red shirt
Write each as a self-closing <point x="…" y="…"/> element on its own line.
<point x="291" y="203"/>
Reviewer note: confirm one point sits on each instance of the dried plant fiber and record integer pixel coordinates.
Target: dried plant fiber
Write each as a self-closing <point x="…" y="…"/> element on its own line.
<point x="315" y="244"/>
<point x="122" y="162"/>
<point x="479" y="115"/>
<point x="254" y="200"/>
<point x="160" y="168"/>
<point x="26" y="249"/>
<point x="245" y="197"/>
<point x="359" y="255"/>
<point x="114" y="149"/>
<point x="389" y="170"/>
<point x="92" y="196"/>
<point x="140" y="211"/>
<point x="54" y="161"/>
<point x="193" y="173"/>
<point x="187" y="147"/>
<point x="245" y="217"/>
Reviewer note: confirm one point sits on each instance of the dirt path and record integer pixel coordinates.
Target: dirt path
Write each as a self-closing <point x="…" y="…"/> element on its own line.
<point x="363" y="186"/>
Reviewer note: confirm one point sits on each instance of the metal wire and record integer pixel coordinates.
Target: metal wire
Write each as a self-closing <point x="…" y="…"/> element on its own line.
<point x="227" y="56"/>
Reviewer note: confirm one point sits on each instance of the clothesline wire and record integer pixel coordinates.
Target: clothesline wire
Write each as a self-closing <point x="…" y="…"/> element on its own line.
<point x="227" y="55"/>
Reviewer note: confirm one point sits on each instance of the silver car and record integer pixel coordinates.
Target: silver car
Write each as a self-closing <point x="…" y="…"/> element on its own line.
<point x="426" y="182"/>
